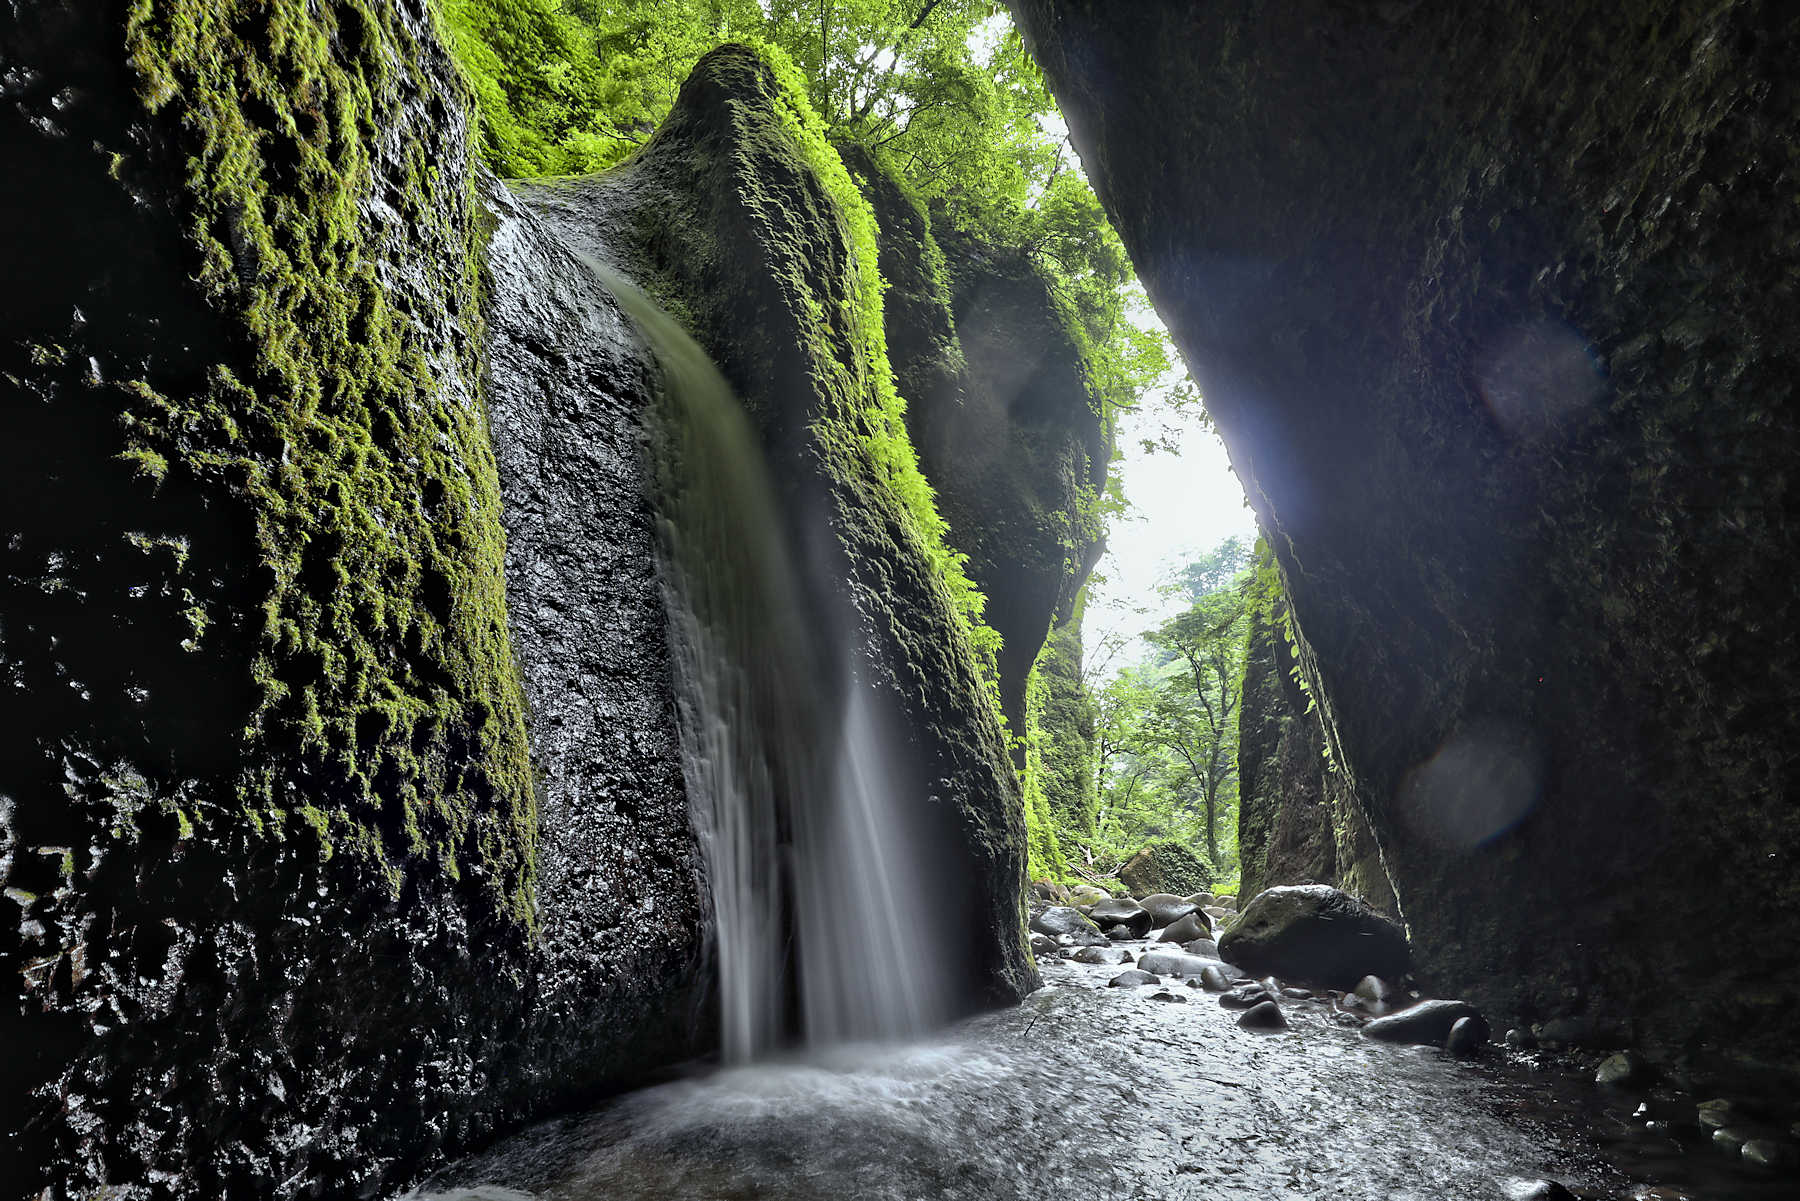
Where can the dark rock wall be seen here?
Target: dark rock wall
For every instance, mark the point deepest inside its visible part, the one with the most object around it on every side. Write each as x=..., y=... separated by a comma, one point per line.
x=1494, y=306
x=735, y=229
x=297, y=906
x=1299, y=821
x=998, y=406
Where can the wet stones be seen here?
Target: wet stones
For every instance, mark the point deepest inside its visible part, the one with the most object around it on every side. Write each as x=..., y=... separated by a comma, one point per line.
x=1468, y=1035
x=1174, y=963
x=1768, y=1154
x=1083, y=938
x=1315, y=934
x=1623, y=1070
x=1133, y=978
x=1214, y=979
x=1043, y=944
x=1166, y=908
x=1263, y=1016
x=1060, y=919
x=1245, y=996
x=1427, y=1024
x=1088, y=894
x=1189, y=926
x=1206, y=948
x=1100, y=955
x=1126, y=913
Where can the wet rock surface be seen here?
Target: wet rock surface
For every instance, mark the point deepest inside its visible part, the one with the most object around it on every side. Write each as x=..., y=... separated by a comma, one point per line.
x=1315, y=934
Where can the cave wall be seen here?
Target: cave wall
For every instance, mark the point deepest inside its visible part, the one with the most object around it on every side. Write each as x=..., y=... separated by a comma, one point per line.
x=1493, y=307
x=339, y=806
x=735, y=218
x=1299, y=820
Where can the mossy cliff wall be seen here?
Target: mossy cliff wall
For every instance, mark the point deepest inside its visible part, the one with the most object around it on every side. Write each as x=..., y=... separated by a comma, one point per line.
x=1493, y=305
x=296, y=909
x=738, y=218
x=1014, y=442
x=999, y=408
x=1299, y=822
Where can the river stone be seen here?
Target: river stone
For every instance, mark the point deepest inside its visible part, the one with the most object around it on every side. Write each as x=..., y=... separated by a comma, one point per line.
x=1168, y=996
x=1127, y=913
x=1427, y=1023
x=1375, y=989
x=1467, y=1036
x=1100, y=955
x=1060, y=919
x=1546, y=1190
x=1083, y=938
x=1043, y=944
x=1265, y=1015
x=1206, y=948
x=1214, y=979
x=1165, y=908
x=1187, y=928
x=1217, y=913
x=1174, y=963
x=1133, y=978
x=1045, y=890
x=1088, y=894
x=1730, y=1138
x=1715, y=1113
x=1562, y=1032
x=1316, y=934
x=1244, y=996
x=1121, y=934
x=1624, y=1070
x=1767, y=1153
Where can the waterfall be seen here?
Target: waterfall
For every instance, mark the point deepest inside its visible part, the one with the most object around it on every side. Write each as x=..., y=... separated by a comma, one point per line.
x=799, y=794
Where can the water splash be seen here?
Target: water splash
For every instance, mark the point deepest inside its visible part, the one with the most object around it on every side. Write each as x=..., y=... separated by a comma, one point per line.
x=799, y=797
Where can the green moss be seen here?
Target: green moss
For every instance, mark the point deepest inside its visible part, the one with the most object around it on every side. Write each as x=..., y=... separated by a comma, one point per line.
x=885, y=435
x=1043, y=850
x=361, y=460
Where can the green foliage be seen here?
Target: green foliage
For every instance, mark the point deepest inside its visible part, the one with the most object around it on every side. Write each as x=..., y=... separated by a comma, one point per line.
x=383, y=662
x=1044, y=858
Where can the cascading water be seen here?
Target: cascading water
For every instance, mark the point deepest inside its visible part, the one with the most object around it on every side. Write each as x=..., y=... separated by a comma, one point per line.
x=797, y=793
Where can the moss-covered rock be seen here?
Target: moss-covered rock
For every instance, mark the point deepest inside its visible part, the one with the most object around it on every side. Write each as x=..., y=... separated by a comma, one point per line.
x=1493, y=308
x=740, y=219
x=1166, y=866
x=289, y=922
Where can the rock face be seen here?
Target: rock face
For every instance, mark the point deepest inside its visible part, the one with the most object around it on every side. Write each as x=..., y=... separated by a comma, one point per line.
x=274, y=615
x=1166, y=867
x=1299, y=821
x=1316, y=934
x=731, y=220
x=1000, y=412
x=1477, y=306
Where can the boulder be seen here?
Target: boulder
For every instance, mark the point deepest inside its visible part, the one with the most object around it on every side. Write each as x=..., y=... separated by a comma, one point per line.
x=1166, y=908
x=1127, y=913
x=1088, y=894
x=1428, y=1023
x=1060, y=919
x=1187, y=929
x=1264, y=1015
x=1174, y=963
x=1132, y=978
x=1166, y=866
x=1204, y=947
x=1316, y=934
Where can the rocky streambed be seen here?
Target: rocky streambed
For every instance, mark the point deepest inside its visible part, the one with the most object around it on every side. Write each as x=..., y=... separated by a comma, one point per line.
x=1125, y=1076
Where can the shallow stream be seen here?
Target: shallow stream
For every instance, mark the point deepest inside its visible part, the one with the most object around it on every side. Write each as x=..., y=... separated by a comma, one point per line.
x=1083, y=1091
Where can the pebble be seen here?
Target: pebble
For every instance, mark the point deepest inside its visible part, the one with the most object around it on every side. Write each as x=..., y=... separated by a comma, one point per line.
x=1266, y=1015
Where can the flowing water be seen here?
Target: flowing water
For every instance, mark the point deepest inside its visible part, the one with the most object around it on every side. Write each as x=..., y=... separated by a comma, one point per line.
x=1083, y=1091
x=798, y=799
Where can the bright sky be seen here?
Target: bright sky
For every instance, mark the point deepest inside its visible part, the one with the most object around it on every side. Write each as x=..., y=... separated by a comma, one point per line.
x=1183, y=502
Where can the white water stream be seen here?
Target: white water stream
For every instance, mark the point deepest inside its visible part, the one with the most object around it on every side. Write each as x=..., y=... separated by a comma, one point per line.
x=798, y=795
